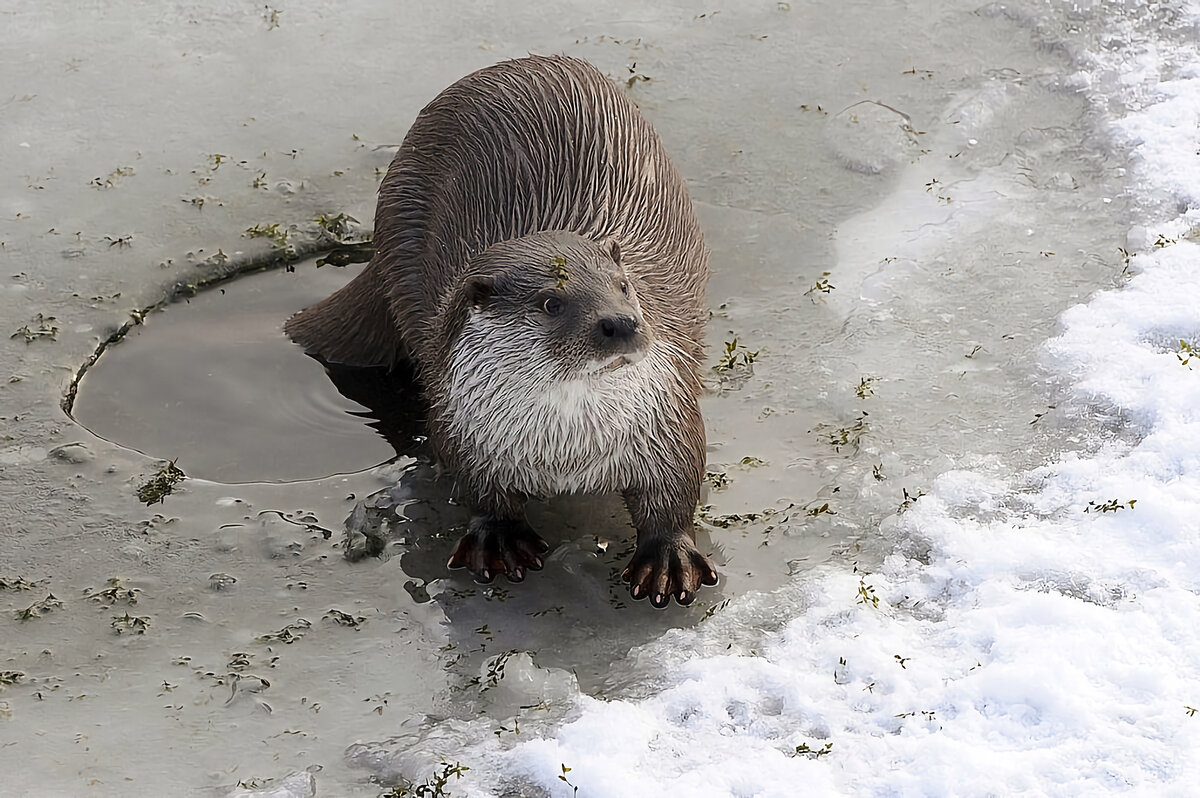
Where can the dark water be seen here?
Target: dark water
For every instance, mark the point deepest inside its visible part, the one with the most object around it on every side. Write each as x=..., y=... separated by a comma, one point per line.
x=215, y=385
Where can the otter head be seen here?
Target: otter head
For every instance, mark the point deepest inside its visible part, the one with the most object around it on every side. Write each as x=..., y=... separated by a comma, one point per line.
x=554, y=295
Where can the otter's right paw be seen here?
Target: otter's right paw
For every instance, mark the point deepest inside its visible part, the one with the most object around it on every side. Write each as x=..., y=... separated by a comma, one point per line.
x=661, y=569
x=495, y=546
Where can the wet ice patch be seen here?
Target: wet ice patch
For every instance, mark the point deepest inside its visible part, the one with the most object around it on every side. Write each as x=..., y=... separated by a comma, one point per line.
x=872, y=137
x=968, y=197
x=22, y=454
x=977, y=112
x=293, y=785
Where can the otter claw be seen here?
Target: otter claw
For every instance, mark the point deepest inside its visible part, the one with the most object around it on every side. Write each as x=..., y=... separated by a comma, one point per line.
x=494, y=546
x=666, y=569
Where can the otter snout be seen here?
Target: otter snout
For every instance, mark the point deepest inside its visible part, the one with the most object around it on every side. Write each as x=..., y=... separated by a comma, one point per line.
x=619, y=334
x=617, y=328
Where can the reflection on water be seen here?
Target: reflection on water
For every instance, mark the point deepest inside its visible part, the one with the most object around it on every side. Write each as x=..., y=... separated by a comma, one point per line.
x=215, y=385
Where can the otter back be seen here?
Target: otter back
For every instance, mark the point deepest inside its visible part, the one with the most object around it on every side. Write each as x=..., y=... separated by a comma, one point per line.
x=539, y=143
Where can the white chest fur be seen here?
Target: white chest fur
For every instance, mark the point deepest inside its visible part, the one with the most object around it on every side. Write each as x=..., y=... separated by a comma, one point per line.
x=534, y=431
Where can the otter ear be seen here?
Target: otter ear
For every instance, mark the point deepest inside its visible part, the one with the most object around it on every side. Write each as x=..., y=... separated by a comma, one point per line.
x=614, y=250
x=479, y=292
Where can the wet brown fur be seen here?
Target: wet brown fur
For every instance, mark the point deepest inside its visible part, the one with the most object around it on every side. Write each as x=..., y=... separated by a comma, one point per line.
x=535, y=144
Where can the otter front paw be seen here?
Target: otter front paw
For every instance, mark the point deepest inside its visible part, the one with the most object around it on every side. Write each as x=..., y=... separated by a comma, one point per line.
x=494, y=546
x=661, y=569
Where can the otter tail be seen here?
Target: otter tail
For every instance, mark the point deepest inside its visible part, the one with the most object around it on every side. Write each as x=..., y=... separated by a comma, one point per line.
x=353, y=326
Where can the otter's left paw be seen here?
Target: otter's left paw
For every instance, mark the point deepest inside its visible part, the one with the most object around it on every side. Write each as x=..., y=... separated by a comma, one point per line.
x=661, y=569
x=494, y=546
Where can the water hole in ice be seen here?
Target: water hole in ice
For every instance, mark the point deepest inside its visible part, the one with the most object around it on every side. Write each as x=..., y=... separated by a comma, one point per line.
x=212, y=383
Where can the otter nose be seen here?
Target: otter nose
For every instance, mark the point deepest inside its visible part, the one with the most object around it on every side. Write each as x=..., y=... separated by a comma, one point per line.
x=617, y=328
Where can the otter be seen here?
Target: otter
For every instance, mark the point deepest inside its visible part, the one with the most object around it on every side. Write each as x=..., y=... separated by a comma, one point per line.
x=539, y=263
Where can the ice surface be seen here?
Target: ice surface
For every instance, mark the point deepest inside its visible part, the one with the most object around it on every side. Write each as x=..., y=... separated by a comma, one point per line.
x=293, y=785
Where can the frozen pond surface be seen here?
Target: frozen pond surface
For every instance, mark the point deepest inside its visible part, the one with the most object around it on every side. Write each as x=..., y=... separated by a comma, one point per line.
x=924, y=489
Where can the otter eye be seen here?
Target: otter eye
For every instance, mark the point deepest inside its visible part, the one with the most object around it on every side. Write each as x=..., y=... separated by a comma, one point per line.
x=625, y=287
x=552, y=306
